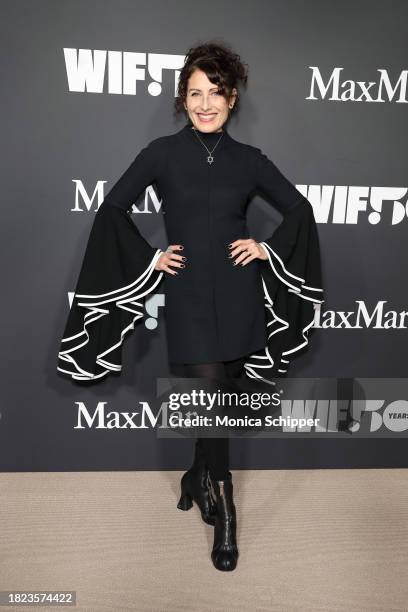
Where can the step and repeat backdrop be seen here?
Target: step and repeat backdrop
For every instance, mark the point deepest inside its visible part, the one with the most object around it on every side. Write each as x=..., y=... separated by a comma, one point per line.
x=86, y=85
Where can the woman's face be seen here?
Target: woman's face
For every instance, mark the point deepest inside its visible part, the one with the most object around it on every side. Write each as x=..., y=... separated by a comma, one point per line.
x=207, y=109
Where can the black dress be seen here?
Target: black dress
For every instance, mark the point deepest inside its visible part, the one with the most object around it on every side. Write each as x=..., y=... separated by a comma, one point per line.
x=214, y=311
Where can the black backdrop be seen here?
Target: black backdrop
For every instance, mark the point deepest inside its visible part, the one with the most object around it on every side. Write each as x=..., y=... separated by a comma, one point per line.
x=320, y=103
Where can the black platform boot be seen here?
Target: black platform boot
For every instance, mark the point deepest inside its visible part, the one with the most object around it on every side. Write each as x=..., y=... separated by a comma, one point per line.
x=195, y=485
x=225, y=553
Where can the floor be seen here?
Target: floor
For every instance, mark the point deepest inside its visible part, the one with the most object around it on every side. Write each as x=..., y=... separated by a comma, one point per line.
x=321, y=540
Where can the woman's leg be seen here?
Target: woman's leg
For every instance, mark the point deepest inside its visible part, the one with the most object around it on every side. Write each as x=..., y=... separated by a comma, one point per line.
x=215, y=450
x=225, y=553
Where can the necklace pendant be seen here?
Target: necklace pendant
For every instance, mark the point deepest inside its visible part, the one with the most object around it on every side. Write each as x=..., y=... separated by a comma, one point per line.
x=210, y=159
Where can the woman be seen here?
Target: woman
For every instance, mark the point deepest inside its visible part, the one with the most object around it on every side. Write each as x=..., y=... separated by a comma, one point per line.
x=233, y=306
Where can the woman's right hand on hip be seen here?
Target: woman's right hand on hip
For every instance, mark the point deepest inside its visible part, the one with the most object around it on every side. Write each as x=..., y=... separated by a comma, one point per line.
x=168, y=259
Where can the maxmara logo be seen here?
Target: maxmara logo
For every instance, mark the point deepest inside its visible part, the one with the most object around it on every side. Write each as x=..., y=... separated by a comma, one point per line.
x=362, y=317
x=100, y=418
x=347, y=205
x=86, y=202
x=335, y=87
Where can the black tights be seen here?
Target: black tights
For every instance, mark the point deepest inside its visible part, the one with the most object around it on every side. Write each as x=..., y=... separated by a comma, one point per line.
x=214, y=450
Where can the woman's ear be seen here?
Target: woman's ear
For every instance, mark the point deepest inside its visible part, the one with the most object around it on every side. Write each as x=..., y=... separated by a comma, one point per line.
x=232, y=98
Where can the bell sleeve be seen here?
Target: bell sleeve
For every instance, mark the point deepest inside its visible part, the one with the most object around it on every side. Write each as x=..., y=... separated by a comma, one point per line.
x=117, y=273
x=291, y=274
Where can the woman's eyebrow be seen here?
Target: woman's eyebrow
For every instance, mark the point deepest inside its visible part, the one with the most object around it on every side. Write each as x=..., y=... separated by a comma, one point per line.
x=196, y=88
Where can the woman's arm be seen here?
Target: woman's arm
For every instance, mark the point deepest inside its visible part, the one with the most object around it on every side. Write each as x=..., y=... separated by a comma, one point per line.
x=290, y=269
x=144, y=170
x=278, y=190
x=270, y=181
x=117, y=273
x=296, y=238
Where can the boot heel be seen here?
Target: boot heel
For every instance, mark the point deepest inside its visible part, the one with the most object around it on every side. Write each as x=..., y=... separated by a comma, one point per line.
x=185, y=502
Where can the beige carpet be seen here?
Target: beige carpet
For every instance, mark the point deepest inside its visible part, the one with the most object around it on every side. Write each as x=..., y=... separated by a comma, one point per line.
x=325, y=540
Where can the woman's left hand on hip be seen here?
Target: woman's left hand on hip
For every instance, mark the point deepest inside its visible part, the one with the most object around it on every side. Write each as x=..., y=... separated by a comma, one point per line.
x=245, y=250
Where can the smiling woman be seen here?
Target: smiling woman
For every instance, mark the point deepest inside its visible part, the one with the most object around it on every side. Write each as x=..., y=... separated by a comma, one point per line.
x=233, y=306
x=205, y=103
x=209, y=103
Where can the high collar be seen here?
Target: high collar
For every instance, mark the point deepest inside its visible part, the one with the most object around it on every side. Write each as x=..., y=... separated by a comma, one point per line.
x=207, y=137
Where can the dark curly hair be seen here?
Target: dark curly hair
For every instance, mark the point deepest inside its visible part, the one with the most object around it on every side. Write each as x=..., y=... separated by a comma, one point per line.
x=222, y=66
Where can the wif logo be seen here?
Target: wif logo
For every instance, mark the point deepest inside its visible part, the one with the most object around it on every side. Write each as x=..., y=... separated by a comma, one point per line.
x=117, y=72
x=350, y=205
x=151, y=305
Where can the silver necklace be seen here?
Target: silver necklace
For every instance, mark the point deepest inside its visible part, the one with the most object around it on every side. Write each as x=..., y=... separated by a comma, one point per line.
x=210, y=157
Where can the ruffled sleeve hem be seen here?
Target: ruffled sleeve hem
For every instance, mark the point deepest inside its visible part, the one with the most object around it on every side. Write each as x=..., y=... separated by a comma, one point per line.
x=118, y=272
x=291, y=281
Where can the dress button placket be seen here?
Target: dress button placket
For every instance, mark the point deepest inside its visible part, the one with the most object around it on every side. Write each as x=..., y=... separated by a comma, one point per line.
x=213, y=261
